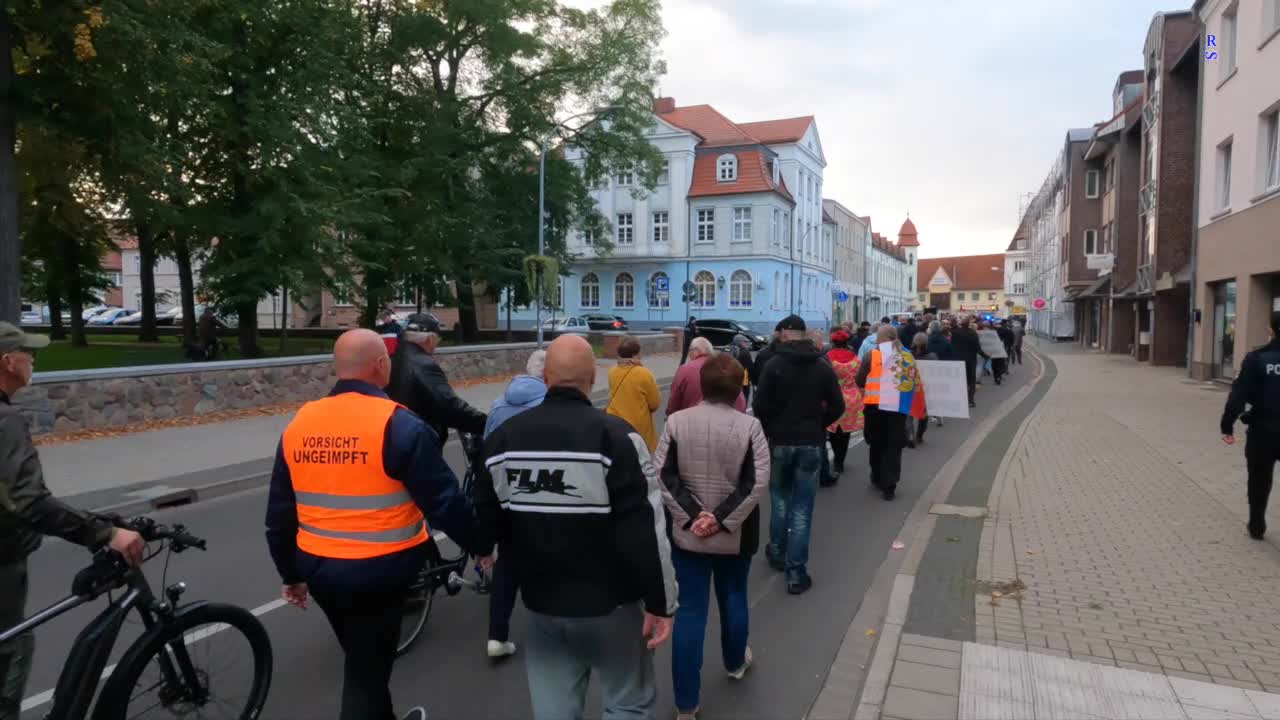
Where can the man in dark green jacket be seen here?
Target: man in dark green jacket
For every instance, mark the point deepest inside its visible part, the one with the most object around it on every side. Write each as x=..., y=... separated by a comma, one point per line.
x=28, y=512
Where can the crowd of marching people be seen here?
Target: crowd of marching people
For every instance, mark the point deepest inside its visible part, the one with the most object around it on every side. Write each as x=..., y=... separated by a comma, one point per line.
x=615, y=534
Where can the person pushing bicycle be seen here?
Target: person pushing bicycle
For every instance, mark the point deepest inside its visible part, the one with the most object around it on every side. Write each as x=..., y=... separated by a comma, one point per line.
x=359, y=485
x=28, y=511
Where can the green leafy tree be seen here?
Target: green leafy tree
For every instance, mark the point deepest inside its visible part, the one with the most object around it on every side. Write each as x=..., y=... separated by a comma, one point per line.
x=500, y=73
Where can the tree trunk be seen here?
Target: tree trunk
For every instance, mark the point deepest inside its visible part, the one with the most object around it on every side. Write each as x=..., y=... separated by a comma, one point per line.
x=53, y=298
x=10, y=242
x=284, y=318
x=510, y=298
x=187, y=287
x=75, y=295
x=248, y=330
x=147, y=281
x=468, y=327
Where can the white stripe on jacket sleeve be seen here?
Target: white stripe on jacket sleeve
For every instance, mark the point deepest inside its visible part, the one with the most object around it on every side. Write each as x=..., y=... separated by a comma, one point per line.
x=653, y=493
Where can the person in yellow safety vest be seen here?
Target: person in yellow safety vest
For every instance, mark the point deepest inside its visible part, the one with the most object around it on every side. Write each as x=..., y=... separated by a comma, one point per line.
x=358, y=486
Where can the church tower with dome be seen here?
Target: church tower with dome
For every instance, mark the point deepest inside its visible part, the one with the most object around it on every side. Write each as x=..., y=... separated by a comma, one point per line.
x=909, y=245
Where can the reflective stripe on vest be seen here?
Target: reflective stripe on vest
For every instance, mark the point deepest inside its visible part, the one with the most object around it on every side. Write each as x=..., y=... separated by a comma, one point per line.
x=871, y=394
x=348, y=507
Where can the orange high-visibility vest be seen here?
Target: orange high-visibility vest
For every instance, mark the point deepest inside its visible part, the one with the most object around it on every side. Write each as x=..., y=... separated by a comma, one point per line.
x=348, y=507
x=871, y=394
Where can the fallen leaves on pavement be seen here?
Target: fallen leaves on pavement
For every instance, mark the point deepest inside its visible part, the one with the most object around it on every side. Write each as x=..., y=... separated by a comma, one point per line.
x=1006, y=590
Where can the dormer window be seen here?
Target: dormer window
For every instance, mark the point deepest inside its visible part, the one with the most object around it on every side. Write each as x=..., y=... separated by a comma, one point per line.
x=727, y=168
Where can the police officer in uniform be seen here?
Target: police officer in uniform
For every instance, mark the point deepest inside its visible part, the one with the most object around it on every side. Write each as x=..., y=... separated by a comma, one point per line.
x=357, y=480
x=1258, y=387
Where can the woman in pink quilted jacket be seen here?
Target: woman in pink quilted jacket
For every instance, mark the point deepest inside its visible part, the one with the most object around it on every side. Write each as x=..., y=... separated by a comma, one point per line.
x=845, y=362
x=714, y=465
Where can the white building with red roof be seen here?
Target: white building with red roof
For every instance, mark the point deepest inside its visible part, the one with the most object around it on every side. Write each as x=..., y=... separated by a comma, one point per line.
x=733, y=229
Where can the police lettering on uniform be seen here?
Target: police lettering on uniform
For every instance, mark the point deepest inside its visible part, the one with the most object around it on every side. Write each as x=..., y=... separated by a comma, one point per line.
x=358, y=480
x=1255, y=400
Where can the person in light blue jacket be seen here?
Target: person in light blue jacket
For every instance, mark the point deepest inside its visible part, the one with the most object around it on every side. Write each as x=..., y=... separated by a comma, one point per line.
x=523, y=392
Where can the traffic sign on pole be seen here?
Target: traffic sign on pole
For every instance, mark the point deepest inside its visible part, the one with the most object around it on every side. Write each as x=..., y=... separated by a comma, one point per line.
x=1039, y=303
x=662, y=284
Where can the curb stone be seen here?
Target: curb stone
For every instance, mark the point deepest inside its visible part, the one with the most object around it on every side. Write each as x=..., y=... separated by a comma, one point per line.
x=167, y=497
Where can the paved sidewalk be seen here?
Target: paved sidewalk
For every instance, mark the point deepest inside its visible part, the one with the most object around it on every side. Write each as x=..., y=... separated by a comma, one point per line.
x=96, y=473
x=1114, y=577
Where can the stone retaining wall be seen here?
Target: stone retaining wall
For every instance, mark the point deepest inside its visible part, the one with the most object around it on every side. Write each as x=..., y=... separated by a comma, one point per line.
x=110, y=397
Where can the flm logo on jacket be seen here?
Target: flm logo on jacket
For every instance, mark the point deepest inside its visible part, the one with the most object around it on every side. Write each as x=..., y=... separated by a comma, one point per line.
x=550, y=482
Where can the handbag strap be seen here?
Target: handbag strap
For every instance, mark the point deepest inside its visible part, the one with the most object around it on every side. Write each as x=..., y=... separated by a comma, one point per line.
x=618, y=387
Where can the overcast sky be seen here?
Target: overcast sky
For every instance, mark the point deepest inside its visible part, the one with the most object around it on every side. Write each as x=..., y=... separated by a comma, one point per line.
x=947, y=109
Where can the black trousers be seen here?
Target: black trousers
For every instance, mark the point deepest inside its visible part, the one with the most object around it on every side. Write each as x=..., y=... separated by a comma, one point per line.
x=368, y=628
x=999, y=367
x=1015, y=355
x=970, y=373
x=839, y=448
x=886, y=435
x=502, y=599
x=1261, y=452
x=16, y=654
x=917, y=427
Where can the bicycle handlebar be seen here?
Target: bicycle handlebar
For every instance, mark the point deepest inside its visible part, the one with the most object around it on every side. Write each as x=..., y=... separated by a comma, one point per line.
x=152, y=531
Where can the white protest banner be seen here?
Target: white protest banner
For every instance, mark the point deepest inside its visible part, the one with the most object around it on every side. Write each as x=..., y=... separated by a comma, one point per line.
x=945, y=391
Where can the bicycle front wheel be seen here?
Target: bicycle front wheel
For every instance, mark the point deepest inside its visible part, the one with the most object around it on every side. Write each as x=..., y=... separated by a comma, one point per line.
x=417, y=607
x=208, y=661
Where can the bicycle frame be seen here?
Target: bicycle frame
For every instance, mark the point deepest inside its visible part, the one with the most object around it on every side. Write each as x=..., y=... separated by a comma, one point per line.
x=80, y=676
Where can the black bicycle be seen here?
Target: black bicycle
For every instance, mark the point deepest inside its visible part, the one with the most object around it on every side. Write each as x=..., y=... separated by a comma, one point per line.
x=169, y=670
x=440, y=572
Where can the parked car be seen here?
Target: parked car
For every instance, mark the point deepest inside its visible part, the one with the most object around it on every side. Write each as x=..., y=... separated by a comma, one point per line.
x=721, y=332
x=108, y=317
x=133, y=318
x=605, y=322
x=90, y=313
x=228, y=319
x=30, y=316
x=569, y=325
x=166, y=317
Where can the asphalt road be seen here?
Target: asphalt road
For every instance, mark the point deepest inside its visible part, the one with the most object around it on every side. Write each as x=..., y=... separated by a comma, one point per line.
x=794, y=638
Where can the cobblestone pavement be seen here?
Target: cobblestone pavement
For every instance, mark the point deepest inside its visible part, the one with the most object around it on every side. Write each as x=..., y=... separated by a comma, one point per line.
x=1123, y=513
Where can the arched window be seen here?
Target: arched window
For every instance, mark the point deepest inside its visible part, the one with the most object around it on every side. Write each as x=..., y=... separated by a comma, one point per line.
x=787, y=301
x=590, y=291
x=624, y=291
x=777, y=289
x=704, y=290
x=740, y=289
x=727, y=168
x=655, y=300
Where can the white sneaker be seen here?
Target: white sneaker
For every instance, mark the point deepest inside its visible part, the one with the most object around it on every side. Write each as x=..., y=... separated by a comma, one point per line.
x=498, y=649
x=417, y=713
x=746, y=665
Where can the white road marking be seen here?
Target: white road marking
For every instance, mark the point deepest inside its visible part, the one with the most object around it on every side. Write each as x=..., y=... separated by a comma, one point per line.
x=39, y=699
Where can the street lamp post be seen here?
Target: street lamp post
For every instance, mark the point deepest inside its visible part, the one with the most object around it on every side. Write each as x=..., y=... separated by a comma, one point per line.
x=542, y=212
x=542, y=244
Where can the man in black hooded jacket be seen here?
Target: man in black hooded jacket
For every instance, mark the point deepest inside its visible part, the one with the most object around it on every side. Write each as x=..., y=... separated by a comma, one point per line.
x=798, y=398
x=419, y=383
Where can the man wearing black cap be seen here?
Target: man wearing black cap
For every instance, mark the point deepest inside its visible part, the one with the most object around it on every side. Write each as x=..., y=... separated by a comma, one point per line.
x=28, y=512
x=798, y=398
x=419, y=383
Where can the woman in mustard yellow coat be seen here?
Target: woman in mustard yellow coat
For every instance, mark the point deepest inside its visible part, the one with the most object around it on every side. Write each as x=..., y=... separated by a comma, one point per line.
x=633, y=392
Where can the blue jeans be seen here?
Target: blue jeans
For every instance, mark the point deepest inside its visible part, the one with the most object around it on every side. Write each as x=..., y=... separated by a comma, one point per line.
x=695, y=572
x=792, y=488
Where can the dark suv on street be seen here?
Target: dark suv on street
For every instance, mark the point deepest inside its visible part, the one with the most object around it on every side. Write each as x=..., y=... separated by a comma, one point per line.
x=721, y=332
x=606, y=322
